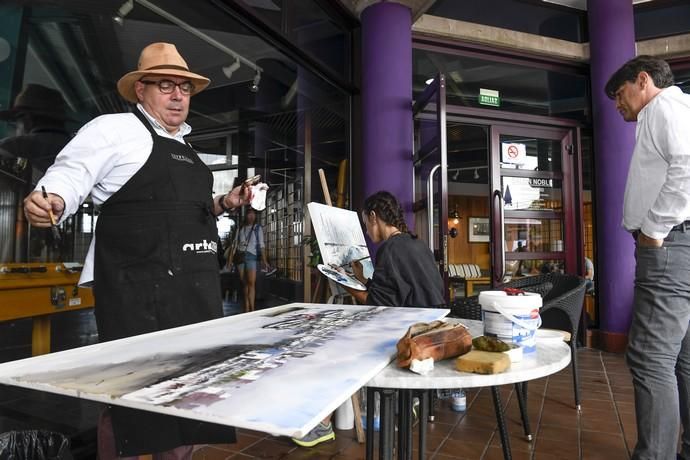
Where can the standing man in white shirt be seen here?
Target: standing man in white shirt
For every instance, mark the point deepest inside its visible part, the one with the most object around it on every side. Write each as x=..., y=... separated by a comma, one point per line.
x=656, y=211
x=153, y=259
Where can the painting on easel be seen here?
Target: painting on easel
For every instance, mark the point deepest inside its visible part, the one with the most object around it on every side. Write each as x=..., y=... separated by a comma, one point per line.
x=340, y=237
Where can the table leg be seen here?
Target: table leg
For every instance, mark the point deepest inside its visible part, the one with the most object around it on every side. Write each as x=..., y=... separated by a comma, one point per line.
x=521, y=392
x=424, y=398
x=404, y=408
x=387, y=425
x=505, y=440
x=432, y=405
x=40, y=335
x=371, y=403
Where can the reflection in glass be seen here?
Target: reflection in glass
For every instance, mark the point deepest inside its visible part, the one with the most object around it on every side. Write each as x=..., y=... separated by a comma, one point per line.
x=523, y=193
x=530, y=154
x=533, y=235
x=78, y=49
x=522, y=88
x=533, y=267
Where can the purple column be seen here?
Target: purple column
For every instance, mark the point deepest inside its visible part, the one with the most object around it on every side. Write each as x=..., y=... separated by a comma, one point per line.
x=387, y=102
x=612, y=43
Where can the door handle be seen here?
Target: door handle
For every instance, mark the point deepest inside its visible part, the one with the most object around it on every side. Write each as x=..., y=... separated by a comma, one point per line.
x=499, y=274
x=430, y=203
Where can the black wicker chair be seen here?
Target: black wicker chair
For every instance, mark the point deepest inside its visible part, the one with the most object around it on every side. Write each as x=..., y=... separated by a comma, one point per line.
x=563, y=297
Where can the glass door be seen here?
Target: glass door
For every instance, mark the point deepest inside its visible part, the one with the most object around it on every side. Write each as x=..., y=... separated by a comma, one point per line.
x=533, y=209
x=430, y=173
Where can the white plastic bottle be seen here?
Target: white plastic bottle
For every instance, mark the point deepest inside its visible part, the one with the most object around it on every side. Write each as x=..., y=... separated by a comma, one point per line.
x=459, y=400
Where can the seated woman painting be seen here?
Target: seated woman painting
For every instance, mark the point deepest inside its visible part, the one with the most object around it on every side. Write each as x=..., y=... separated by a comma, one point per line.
x=405, y=274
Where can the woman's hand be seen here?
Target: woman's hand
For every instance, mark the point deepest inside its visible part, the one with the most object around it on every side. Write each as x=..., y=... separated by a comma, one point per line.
x=358, y=271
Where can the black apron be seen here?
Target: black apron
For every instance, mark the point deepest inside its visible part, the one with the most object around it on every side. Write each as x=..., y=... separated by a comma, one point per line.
x=156, y=268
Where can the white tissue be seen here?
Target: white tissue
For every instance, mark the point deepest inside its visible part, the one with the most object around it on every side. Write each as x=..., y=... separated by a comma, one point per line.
x=515, y=354
x=422, y=367
x=259, y=196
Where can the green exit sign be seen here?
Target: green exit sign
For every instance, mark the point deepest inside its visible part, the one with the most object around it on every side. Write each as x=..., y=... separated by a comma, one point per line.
x=489, y=97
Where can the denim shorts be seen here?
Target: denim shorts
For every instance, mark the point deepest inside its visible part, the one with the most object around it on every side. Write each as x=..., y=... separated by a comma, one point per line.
x=250, y=261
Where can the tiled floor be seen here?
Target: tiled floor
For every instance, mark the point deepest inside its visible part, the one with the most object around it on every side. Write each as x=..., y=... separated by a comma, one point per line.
x=604, y=429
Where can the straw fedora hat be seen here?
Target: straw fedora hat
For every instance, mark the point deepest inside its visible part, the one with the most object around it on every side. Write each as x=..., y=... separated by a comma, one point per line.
x=37, y=99
x=159, y=59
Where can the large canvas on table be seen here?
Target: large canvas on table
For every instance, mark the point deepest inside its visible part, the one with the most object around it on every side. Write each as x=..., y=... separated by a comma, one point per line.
x=279, y=370
x=340, y=236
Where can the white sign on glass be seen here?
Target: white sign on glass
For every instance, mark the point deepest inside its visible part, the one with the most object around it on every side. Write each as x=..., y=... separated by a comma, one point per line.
x=512, y=152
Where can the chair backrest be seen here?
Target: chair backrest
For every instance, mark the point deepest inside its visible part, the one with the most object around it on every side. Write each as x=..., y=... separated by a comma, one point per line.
x=562, y=294
x=467, y=271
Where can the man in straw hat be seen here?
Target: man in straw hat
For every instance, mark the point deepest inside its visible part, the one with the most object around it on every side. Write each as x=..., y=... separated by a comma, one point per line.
x=156, y=204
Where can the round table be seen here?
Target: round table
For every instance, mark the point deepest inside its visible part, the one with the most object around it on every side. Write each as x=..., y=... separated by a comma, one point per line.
x=551, y=356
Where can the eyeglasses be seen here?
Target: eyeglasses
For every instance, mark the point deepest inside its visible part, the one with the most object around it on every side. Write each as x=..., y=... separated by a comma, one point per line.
x=168, y=86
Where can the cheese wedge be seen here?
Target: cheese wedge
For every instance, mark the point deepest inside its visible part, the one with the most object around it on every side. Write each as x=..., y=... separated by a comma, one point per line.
x=483, y=362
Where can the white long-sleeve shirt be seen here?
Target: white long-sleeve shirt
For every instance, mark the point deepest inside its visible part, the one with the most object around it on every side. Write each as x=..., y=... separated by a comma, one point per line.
x=657, y=192
x=100, y=159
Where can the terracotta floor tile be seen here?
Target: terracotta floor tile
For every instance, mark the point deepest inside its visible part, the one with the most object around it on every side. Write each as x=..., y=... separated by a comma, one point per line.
x=605, y=429
x=211, y=453
x=566, y=449
x=495, y=453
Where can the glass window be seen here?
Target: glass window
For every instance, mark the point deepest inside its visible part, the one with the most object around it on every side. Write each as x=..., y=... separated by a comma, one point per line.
x=314, y=30
x=533, y=235
x=531, y=154
x=653, y=21
x=262, y=112
x=681, y=75
x=517, y=88
x=531, y=193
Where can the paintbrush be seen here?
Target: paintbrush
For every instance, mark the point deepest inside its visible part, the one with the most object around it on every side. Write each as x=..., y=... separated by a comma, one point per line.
x=53, y=221
x=356, y=260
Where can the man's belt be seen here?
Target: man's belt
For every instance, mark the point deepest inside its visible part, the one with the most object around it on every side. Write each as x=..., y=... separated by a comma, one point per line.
x=682, y=227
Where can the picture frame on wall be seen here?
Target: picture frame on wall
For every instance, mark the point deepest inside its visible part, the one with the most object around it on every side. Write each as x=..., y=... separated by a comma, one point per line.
x=478, y=229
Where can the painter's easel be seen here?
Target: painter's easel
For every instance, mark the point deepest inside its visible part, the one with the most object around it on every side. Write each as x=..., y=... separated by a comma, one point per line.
x=337, y=297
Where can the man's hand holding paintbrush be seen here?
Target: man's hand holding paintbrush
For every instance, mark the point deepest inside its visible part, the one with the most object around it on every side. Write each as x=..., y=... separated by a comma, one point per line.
x=43, y=209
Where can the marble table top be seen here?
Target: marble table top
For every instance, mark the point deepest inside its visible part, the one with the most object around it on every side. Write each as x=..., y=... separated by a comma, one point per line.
x=279, y=370
x=550, y=357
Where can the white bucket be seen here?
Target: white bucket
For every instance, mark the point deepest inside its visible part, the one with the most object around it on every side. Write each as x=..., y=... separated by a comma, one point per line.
x=513, y=319
x=345, y=416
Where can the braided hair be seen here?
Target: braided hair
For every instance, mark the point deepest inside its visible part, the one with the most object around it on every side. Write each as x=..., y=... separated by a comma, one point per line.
x=388, y=209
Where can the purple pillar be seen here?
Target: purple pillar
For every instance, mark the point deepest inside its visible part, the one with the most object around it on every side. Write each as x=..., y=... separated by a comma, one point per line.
x=612, y=43
x=387, y=102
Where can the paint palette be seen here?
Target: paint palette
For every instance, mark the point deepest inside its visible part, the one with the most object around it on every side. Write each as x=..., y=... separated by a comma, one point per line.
x=341, y=278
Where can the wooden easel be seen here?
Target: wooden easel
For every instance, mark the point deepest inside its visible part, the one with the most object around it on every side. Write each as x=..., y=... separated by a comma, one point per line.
x=336, y=297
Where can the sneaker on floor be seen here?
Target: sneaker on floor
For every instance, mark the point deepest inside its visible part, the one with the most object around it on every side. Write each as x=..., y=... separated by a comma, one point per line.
x=320, y=433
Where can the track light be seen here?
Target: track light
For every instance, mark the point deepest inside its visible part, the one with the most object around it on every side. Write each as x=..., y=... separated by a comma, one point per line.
x=124, y=10
x=254, y=87
x=476, y=174
x=228, y=70
x=290, y=95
